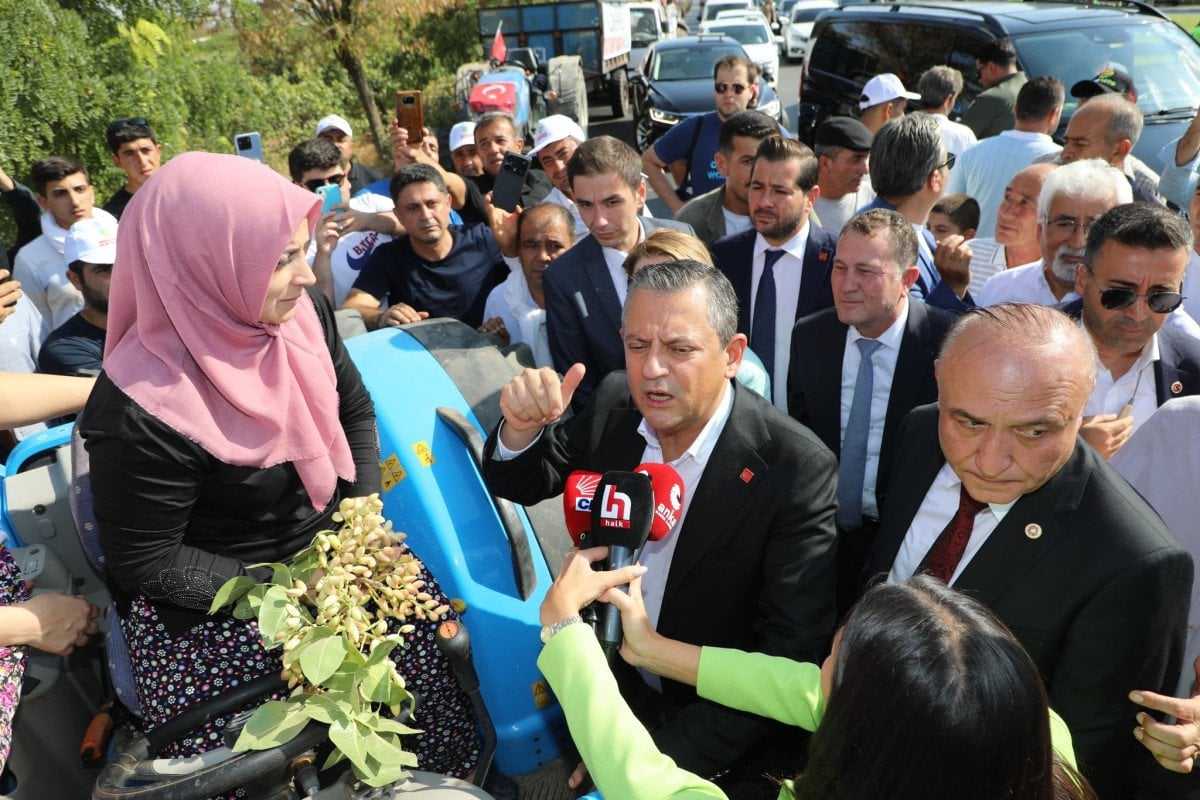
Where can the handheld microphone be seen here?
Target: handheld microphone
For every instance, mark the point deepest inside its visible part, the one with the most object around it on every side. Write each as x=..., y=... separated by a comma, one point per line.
x=668, y=497
x=622, y=515
x=578, y=492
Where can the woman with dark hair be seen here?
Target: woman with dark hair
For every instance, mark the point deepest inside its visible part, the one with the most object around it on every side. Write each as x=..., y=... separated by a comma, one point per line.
x=925, y=695
x=228, y=425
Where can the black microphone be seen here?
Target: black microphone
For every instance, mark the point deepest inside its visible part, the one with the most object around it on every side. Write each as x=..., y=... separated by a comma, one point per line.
x=622, y=514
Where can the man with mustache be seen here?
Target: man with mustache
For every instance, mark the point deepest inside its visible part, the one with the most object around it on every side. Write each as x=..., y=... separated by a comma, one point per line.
x=780, y=268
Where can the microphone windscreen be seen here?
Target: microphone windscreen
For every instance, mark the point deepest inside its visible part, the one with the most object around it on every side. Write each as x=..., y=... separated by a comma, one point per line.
x=577, y=503
x=622, y=510
x=668, y=490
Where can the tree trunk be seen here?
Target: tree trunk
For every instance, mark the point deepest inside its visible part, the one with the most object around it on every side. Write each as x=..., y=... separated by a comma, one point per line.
x=358, y=76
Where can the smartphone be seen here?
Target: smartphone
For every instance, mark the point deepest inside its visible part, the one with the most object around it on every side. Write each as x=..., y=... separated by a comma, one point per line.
x=511, y=181
x=332, y=195
x=249, y=145
x=410, y=116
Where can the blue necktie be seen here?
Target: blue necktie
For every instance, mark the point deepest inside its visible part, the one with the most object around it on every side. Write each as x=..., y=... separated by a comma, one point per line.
x=762, y=329
x=853, y=463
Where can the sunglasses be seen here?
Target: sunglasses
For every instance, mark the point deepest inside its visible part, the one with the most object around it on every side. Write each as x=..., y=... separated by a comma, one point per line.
x=333, y=180
x=128, y=122
x=1116, y=298
x=722, y=87
x=948, y=163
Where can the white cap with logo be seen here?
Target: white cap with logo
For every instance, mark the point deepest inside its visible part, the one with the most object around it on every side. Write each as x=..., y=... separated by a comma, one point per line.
x=883, y=88
x=92, y=241
x=554, y=128
x=462, y=134
x=333, y=121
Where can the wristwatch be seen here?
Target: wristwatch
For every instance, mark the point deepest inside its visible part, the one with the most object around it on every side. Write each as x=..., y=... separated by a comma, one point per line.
x=549, y=630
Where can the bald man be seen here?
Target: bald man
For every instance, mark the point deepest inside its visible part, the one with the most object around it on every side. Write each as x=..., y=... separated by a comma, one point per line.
x=994, y=492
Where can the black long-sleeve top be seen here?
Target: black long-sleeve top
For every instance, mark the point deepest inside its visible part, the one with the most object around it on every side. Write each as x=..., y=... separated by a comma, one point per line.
x=176, y=523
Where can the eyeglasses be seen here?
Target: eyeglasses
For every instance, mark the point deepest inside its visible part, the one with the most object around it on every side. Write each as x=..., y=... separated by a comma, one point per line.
x=722, y=87
x=948, y=163
x=332, y=180
x=1115, y=298
x=128, y=122
x=1066, y=226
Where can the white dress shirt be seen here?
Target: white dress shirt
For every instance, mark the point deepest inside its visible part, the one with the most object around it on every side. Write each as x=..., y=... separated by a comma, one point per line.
x=956, y=137
x=614, y=259
x=787, y=273
x=1025, y=284
x=884, y=361
x=937, y=509
x=1137, y=386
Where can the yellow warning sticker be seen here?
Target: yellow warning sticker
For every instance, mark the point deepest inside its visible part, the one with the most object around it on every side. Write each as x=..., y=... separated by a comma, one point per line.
x=391, y=472
x=424, y=454
x=541, y=694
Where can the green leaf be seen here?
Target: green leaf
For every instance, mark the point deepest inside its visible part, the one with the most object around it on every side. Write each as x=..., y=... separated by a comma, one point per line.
x=281, y=575
x=391, y=758
x=324, y=708
x=380, y=653
x=347, y=737
x=376, y=683
x=309, y=635
x=232, y=590
x=272, y=614
x=387, y=725
x=322, y=658
x=271, y=724
x=335, y=757
x=354, y=658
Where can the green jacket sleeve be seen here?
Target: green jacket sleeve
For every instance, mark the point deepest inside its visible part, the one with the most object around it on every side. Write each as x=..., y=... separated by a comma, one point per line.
x=618, y=751
x=770, y=686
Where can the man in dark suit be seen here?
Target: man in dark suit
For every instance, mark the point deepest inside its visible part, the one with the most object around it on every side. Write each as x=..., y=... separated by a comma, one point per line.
x=1130, y=281
x=993, y=491
x=854, y=397
x=756, y=527
x=585, y=288
x=780, y=268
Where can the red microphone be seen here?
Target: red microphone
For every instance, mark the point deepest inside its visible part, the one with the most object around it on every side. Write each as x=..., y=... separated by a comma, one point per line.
x=668, y=497
x=578, y=492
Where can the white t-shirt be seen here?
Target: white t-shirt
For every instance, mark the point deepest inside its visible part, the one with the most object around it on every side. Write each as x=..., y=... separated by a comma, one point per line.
x=350, y=254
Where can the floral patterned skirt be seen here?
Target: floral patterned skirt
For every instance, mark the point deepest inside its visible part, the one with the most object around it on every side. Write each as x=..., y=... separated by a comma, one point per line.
x=12, y=659
x=174, y=672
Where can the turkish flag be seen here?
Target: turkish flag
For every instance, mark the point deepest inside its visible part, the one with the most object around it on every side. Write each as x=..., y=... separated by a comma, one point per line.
x=499, y=49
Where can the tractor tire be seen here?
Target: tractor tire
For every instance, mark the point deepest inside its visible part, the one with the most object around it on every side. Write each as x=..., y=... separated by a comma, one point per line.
x=618, y=93
x=570, y=89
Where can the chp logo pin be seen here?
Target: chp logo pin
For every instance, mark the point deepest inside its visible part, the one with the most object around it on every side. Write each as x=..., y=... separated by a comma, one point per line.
x=1176, y=387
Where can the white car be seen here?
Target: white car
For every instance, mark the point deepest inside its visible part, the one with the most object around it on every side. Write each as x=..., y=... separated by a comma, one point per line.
x=755, y=37
x=713, y=7
x=799, y=28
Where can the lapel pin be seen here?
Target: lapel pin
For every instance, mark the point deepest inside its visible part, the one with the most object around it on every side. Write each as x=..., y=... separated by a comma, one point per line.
x=1176, y=387
x=746, y=475
x=1033, y=531
x=824, y=255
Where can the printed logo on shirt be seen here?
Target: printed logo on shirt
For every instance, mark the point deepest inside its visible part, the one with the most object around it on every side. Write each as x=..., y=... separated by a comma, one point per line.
x=356, y=259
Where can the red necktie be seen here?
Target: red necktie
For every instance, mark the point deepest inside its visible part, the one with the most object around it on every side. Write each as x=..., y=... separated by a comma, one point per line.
x=942, y=559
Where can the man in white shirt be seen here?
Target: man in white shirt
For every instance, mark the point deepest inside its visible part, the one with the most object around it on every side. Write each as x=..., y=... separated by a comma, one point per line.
x=1108, y=126
x=1016, y=241
x=843, y=149
x=1129, y=284
x=939, y=88
x=883, y=99
x=985, y=170
x=554, y=143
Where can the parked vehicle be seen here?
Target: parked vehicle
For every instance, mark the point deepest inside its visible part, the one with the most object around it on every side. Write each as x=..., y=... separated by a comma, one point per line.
x=755, y=36
x=648, y=23
x=525, y=87
x=713, y=7
x=1072, y=41
x=799, y=28
x=597, y=32
x=676, y=82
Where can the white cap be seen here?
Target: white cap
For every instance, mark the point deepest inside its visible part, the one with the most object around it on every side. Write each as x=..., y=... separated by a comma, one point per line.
x=92, y=241
x=883, y=88
x=554, y=128
x=461, y=134
x=334, y=121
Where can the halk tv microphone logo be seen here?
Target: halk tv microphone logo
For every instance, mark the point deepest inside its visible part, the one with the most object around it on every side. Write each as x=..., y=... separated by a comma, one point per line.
x=614, y=508
x=585, y=487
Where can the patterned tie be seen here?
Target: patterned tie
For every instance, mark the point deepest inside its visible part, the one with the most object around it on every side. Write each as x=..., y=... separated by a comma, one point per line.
x=762, y=329
x=942, y=559
x=853, y=465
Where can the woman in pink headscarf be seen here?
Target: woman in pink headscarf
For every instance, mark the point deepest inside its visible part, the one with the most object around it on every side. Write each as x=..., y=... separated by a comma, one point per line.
x=228, y=424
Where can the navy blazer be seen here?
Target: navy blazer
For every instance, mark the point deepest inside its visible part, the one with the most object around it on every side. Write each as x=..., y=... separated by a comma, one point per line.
x=734, y=255
x=583, y=312
x=815, y=377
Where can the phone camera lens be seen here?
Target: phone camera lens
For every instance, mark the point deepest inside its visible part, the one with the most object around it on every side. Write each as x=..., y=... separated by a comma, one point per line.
x=243, y=143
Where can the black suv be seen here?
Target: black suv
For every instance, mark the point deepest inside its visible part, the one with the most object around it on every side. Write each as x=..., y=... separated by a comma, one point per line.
x=1072, y=41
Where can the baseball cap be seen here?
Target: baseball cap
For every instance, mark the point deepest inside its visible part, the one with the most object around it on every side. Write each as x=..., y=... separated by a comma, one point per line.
x=883, y=88
x=554, y=128
x=334, y=121
x=92, y=241
x=1108, y=81
x=844, y=132
x=460, y=134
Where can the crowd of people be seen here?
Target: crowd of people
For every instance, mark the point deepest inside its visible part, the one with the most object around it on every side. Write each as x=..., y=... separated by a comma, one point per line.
x=909, y=378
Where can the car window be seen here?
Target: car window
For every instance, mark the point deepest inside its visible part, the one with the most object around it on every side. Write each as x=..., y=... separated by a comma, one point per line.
x=746, y=34
x=712, y=9
x=856, y=51
x=687, y=63
x=808, y=13
x=644, y=26
x=1161, y=58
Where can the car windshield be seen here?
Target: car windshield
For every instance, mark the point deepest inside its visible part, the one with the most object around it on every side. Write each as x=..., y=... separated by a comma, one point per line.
x=712, y=9
x=689, y=63
x=808, y=13
x=1164, y=63
x=645, y=26
x=746, y=34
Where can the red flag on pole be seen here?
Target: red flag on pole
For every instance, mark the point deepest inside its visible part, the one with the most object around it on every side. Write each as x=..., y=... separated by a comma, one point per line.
x=499, y=49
